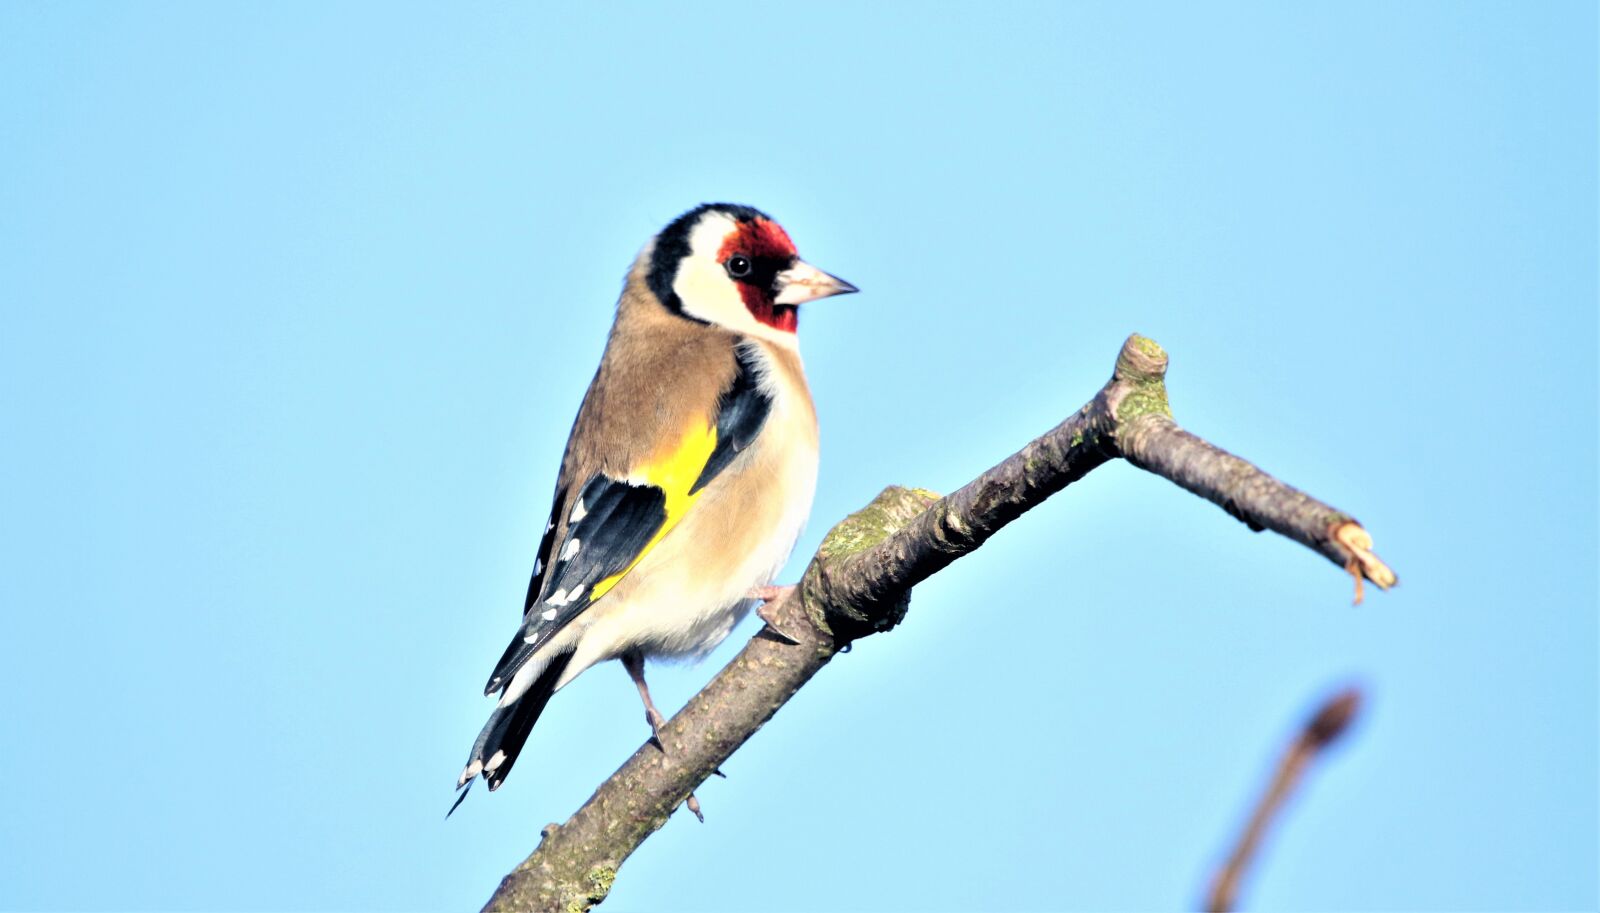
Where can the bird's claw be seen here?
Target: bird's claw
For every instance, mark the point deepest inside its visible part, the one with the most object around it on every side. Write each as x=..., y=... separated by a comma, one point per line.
x=768, y=596
x=656, y=721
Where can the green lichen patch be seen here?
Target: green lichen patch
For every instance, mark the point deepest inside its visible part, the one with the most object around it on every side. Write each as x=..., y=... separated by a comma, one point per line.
x=600, y=878
x=891, y=510
x=1148, y=346
x=593, y=890
x=1144, y=398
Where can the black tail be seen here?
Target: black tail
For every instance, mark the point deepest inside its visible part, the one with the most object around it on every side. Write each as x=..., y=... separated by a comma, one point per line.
x=503, y=736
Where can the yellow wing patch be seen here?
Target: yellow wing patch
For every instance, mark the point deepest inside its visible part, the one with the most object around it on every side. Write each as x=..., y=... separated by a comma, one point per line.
x=675, y=475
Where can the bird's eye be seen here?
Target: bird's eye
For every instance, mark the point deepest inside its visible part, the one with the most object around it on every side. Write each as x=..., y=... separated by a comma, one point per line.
x=738, y=266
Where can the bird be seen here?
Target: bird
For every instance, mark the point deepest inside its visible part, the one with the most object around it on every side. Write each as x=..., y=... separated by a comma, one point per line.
x=686, y=480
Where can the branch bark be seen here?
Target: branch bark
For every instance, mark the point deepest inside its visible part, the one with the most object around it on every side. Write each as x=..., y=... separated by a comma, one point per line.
x=860, y=581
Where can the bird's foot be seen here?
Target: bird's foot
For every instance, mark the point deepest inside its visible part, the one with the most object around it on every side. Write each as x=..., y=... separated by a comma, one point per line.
x=634, y=663
x=656, y=721
x=768, y=596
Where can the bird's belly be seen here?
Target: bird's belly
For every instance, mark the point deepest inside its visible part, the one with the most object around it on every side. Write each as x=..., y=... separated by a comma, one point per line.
x=687, y=594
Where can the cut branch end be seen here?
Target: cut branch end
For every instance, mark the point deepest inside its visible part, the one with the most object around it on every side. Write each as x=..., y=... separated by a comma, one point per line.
x=1141, y=359
x=1363, y=563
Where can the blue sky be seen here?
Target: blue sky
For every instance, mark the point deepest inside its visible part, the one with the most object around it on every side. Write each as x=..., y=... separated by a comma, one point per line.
x=299, y=301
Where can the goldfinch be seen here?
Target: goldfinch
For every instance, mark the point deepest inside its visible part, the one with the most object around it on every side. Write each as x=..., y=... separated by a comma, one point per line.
x=687, y=477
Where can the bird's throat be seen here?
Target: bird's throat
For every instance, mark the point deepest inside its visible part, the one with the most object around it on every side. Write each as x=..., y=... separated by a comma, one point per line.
x=785, y=317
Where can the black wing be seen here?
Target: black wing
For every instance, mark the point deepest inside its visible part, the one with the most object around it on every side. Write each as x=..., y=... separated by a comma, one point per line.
x=613, y=521
x=541, y=559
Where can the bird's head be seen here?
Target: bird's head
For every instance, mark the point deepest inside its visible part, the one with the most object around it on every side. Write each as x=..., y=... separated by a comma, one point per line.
x=733, y=266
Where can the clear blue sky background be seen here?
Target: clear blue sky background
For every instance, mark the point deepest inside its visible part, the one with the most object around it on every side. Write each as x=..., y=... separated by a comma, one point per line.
x=299, y=302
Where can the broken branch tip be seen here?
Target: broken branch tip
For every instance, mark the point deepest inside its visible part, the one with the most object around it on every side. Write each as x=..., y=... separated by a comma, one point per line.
x=1363, y=562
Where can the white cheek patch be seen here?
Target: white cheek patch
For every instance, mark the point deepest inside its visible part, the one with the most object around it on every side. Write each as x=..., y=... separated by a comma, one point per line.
x=704, y=289
x=705, y=292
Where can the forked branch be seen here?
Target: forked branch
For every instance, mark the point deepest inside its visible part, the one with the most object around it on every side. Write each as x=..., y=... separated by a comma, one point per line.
x=860, y=581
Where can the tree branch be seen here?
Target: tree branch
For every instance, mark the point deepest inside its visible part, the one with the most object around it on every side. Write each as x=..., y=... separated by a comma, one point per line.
x=1330, y=721
x=860, y=581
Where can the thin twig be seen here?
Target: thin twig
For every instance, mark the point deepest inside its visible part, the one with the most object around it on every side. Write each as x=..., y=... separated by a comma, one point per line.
x=1321, y=730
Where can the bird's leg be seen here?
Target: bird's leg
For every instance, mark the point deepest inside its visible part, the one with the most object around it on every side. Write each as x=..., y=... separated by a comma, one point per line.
x=769, y=595
x=634, y=663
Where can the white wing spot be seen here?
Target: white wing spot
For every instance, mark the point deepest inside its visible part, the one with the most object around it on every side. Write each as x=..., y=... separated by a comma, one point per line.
x=573, y=545
x=558, y=598
x=579, y=511
x=472, y=770
x=538, y=565
x=495, y=761
x=550, y=524
x=547, y=615
x=576, y=594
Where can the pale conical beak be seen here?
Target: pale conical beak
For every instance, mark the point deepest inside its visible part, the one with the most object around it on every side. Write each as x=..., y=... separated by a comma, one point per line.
x=803, y=282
